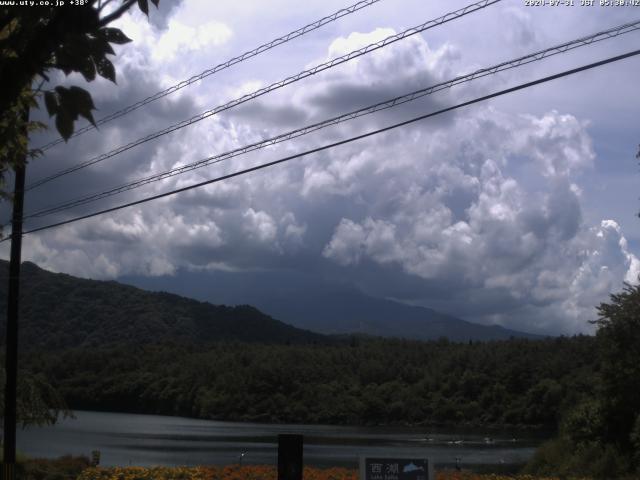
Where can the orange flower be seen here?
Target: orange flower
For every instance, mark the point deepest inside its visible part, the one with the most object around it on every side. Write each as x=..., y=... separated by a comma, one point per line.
x=260, y=472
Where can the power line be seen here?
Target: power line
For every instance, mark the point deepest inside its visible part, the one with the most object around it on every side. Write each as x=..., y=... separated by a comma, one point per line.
x=240, y=58
x=532, y=57
x=274, y=86
x=343, y=142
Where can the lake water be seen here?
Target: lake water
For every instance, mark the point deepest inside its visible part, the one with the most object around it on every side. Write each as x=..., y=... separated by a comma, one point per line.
x=127, y=439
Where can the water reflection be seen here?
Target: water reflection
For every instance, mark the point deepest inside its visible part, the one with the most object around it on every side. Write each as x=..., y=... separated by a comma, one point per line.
x=128, y=439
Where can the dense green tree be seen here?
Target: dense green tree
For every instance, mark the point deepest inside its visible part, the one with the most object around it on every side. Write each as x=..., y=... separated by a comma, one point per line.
x=635, y=440
x=600, y=435
x=585, y=424
x=36, y=41
x=618, y=338
x=38, y=402
x=329, y=383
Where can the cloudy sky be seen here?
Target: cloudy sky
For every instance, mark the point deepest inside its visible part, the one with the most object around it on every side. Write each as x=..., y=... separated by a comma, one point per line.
x=519, y=211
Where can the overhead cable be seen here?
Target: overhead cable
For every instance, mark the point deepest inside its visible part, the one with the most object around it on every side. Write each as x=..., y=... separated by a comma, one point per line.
x=240, y=58
x=474, y=7
x=532, y=57
x=342, y=142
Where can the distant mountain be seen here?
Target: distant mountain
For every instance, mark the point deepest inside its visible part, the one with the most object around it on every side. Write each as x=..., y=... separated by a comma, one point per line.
x=62, y=311
x=309, y=303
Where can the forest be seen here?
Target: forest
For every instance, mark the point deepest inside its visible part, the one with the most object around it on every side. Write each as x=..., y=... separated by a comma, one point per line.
x=59, y=311
x=357, y=381
x=235, y=363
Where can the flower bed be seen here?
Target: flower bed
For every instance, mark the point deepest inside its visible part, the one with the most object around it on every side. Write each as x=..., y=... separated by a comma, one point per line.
x=260, y=472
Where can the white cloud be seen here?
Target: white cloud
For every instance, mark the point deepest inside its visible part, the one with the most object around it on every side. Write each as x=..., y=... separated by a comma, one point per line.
x=486, y=204
x=260, y=226
x=559, y=143
x=347, y=244
x=180, y=38
x=519, y=26
x=293, y=230
x=470, y=224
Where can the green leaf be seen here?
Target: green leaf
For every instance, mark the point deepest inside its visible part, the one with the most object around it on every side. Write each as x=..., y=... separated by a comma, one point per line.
x=89, y=116
x=100, y=47
x=155, y=2
x=80, y=102
x=65, y=68
x=67, y=103
x=51, y=102
x=36, y=126
x=105, y=69
x=64, y=124
x=75, y=56
x=32, y=102
x=88, y=69
x=82, y=98
x=144, y=6
x=114, y=35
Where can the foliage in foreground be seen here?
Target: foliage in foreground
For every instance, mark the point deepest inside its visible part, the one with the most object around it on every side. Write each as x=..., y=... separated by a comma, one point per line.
x=63, y=468
x=230, y=472
x=562, y=457
x=37, y=402
x=600, y=436
x=38, y=41
x=261, y=472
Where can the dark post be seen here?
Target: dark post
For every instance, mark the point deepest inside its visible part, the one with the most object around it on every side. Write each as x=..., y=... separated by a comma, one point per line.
x=11, y=361
x=289, y=457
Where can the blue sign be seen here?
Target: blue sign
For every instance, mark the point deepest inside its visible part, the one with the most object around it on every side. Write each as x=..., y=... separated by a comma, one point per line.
x=390, y=468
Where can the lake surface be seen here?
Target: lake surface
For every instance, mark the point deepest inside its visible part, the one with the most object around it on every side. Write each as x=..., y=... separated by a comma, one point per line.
x=128, y=439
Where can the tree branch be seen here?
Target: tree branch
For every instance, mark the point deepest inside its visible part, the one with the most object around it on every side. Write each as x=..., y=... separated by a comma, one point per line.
x=104, y=4
x=117, y=13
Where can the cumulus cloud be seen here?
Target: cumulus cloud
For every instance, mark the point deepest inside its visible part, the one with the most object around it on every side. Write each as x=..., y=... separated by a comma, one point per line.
x=494, y=237
x=480, y=213
x=352, y=241
x=180, y=37
x=520, y=27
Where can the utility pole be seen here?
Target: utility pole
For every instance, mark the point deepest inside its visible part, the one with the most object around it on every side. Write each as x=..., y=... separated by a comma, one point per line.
x=11, y=360
x=290, y=456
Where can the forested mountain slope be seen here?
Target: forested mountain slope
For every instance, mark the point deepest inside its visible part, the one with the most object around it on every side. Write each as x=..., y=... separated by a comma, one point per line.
x=62, y=311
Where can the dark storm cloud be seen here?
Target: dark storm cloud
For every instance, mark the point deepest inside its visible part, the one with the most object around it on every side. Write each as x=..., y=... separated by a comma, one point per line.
x=113, y=171
x=266, y=114
x=435, y=214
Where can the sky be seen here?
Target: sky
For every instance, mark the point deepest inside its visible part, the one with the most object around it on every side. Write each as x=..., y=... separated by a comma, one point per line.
x=519, y=211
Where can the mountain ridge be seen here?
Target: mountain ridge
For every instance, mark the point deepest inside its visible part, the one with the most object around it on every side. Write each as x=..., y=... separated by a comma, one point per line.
x=77, y=312
x=307, y=302
x=59, y=311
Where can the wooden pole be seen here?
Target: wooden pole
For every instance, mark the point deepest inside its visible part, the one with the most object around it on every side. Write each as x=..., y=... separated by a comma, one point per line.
x=11, y=360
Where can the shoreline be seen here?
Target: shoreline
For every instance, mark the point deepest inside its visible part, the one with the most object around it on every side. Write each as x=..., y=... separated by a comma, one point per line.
x=466, y=426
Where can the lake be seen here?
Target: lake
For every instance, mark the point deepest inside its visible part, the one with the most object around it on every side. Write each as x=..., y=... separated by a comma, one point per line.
x=145, y=440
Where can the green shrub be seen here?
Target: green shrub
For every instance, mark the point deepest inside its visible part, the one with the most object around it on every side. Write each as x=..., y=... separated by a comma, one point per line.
x=635, y=443
x=585, y=423
x=562, y=457
x=62, y=468
x=550, y=458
